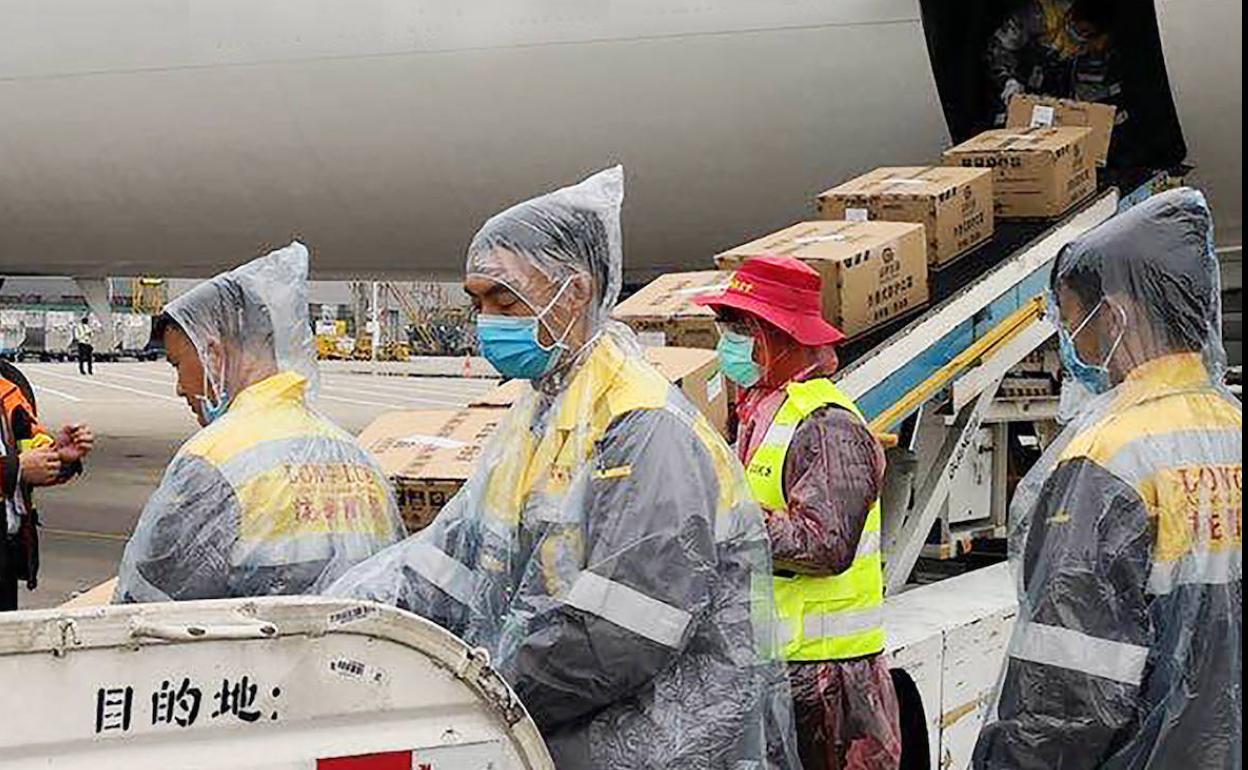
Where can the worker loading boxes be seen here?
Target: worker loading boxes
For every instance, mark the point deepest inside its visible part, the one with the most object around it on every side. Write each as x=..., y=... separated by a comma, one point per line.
x=953, y=204
x=829, y=433
x=872, y=272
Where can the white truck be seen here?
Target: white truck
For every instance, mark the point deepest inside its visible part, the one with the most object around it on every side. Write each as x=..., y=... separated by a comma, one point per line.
x=280, y=683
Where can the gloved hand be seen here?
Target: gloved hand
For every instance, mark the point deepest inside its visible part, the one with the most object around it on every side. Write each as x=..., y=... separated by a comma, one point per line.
x=1012, y=87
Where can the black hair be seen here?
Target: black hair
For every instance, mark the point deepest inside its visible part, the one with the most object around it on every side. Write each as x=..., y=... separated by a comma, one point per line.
x=162, y=324
x=1080, y=278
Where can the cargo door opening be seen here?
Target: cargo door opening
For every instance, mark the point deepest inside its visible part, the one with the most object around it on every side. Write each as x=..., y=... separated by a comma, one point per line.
x=1093, y=50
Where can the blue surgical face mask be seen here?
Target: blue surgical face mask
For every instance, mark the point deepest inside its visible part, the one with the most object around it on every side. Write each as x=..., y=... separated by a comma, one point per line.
x=212, y=409
x=736, y=358
x=512, y=346
x=1094, y=377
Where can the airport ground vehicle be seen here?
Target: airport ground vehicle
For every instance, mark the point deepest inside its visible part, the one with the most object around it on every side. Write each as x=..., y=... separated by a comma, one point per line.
x=270, y=684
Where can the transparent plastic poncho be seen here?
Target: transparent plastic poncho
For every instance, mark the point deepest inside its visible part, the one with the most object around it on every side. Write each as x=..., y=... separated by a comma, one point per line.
x=606, y=552
x=1126, y=535
x=271, y=497
x=261, y=308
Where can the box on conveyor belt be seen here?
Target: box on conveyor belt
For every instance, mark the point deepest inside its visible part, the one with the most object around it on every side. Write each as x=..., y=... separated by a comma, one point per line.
x=1031, y=110
x=1037, y=173
x=428, y=455
x=872, y=271
x=662, y=313
x=694, y=370
x=954, y=204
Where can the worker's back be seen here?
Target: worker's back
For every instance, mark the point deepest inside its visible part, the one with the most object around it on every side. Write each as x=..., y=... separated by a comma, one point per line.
x=271, y=498
x=1180, y=449
x=1136, y=546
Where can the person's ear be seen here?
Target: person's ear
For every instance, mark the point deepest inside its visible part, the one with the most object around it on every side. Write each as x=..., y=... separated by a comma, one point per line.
x=213, y=358
x=1118, y=317
x=581, y=289
x=775, y=338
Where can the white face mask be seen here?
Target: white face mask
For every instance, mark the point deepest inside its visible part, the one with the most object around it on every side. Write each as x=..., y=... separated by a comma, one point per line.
x=558, y=338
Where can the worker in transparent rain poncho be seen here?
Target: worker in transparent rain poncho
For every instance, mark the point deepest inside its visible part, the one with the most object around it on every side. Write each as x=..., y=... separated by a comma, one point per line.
x=607, y=552
x=1127, y=533
x=269, y=497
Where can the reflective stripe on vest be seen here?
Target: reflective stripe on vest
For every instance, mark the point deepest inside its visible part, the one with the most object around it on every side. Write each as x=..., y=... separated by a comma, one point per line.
x=834, y=617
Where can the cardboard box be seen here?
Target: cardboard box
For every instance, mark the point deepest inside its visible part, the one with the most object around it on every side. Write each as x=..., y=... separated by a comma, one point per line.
x=1032, y=111
x=100, y=595
x=954, y=204
x=428, y=455
x=663, y=313
x=694, y=370
x=872, y=272
x=1037, y=172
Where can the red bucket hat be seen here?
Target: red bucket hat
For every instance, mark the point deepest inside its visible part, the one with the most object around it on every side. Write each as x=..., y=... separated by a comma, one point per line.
x=782, y=291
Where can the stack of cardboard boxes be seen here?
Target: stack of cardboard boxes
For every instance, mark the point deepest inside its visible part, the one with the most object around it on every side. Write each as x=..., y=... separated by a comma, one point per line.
x=1036, y=172
x=1044, y=161
x=879, y=238
x=1031, y=111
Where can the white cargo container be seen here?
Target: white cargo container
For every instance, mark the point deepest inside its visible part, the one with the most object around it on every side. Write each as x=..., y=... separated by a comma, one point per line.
x=59, y=332
x=12, y=335
x=950, y=638
x=131, y=332
x=279, y=683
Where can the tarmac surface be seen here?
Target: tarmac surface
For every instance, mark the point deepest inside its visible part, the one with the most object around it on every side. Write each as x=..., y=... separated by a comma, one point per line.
x=139, y=423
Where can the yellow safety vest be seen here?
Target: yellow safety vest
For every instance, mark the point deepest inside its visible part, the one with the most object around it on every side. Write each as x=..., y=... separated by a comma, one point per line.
x=1178, y=442
x=832, y=617
x=300, y=481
